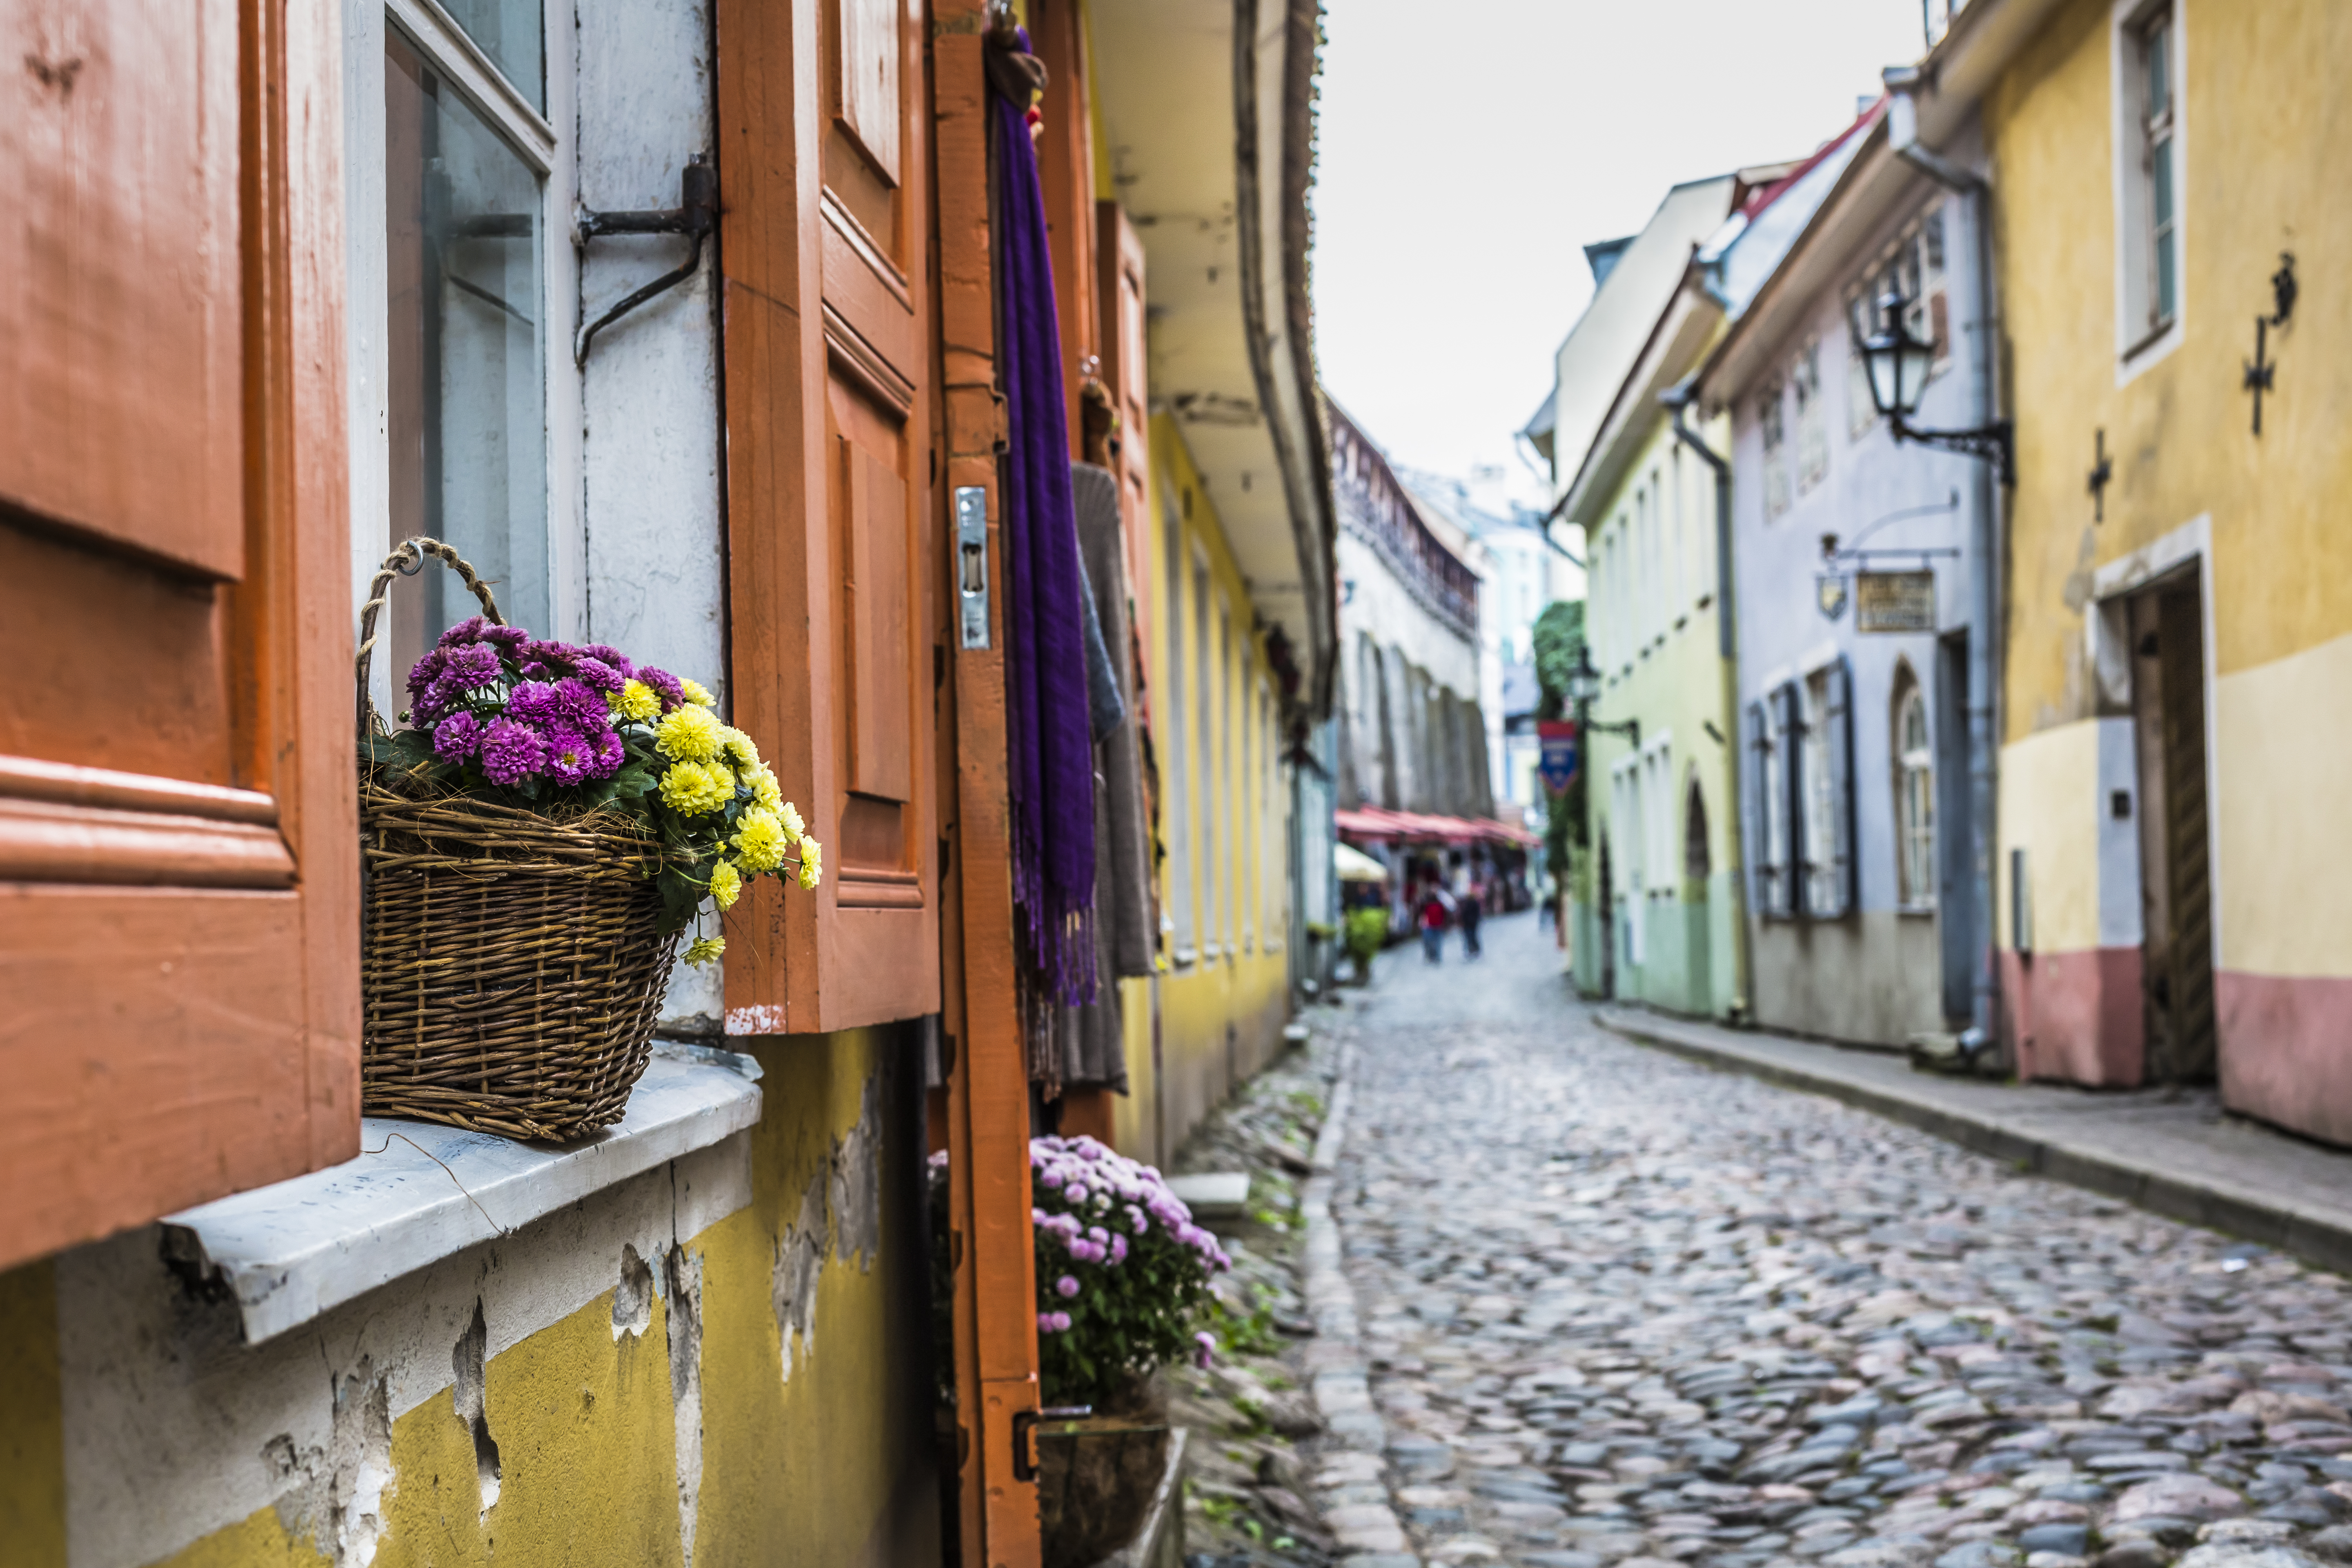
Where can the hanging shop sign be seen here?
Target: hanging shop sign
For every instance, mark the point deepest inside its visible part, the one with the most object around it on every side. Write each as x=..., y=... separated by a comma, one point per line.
x=1558, y=761
x=1895, y=600
x=1830, y=593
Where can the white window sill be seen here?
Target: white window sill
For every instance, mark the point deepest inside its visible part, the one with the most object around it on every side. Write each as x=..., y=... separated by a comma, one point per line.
x=293, y=1250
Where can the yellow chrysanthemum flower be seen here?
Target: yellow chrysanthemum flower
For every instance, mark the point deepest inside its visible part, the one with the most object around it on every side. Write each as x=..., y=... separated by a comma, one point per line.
x=812, y=863
x=760, y=840
x=739, y=749
x=794, y=826
x=689, y=734
x=768, y=797
x=726, y=884
x=697, y=693
x=693, y=789
x=636, y=701
x=705, y=949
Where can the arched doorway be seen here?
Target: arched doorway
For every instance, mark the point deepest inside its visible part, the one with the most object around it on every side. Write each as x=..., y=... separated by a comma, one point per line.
x=1698, y=865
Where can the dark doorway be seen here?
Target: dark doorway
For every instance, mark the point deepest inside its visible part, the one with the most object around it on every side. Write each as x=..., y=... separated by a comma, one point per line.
x=2167, y=635
x=1608, y=907
x=1956, y=883
x=1698, y=864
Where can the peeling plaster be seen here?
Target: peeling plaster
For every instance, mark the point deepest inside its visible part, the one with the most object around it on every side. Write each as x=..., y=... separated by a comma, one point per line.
x=682, y=1272
x=632, y=1297
x=857, y=1183
x=468, y=1398
x=334, y=1494
x=800, y=1258
x=848, y=1181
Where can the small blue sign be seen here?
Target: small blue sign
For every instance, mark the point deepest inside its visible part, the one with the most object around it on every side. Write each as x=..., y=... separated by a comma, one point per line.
x=1558, y=763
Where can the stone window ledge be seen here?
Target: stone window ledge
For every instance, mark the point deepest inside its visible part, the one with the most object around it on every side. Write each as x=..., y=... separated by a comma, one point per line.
x=289, y=1252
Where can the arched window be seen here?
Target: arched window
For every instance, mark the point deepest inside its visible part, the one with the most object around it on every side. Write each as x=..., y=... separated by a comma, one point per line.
x=1915, y=795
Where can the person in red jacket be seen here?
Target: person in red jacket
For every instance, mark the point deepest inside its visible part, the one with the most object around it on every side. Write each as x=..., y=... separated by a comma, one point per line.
x=1432, y=925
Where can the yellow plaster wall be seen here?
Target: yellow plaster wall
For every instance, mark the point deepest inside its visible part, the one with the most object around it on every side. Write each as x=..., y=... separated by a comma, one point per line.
x=832, y=1466
x=1219, y=1018
x=2258, y=103
x=2284, y=900
x=2049, y=801
x=32, y=1421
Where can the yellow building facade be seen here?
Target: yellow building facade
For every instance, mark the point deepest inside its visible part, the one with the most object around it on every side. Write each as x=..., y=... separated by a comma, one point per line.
x=2175, y=878
x=1224, y=990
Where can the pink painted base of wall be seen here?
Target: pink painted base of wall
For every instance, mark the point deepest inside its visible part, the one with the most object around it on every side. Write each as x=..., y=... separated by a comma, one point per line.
x=2075, y=1016
x=2286, y=1050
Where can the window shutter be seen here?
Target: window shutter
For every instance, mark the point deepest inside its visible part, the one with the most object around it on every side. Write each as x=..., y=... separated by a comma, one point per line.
x=836, y=505
x=1792, y=804
x=179, y=844
x=1765, y=872
x=1837, y=750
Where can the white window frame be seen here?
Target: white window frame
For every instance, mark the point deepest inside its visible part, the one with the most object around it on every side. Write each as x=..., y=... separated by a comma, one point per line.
x=553, y=155
x=1178, y=918
x=1820, y=794
x=2138, y=345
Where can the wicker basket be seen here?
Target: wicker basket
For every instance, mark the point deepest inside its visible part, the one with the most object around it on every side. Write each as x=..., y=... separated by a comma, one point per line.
x=512, y=966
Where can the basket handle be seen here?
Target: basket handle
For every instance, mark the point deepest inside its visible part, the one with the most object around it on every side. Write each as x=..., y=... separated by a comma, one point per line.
x=407, y=562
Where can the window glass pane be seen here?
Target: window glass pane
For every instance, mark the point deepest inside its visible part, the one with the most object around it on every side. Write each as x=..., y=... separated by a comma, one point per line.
x=511, y=33
x=2160, y=204
x=2159, y=75
x=466, y=390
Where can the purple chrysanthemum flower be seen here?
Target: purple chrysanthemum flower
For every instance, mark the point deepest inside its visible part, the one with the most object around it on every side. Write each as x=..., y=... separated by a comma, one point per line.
x=1119, y=1249
x=505, y=637
x=1050, y=1175
x=598, y=674
x=465, y=631
x=513, y=752
x=536, y=702
x=1044, y=1323
x=1076, y=1192
x=1205, y=1352
x=459, y=736
x=570, y=755
x=672, y=694
x=606, y=654
x=1066, y=1286
x=607, y=754
x=473, y=665
x=1061, y=1322
x=582, y=705
x=426, y=670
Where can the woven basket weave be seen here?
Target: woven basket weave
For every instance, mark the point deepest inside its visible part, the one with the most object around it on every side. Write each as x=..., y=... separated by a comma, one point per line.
x=512, y=966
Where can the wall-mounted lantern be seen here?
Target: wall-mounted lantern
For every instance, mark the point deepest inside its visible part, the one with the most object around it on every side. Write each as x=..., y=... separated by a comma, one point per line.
x=1898, y=363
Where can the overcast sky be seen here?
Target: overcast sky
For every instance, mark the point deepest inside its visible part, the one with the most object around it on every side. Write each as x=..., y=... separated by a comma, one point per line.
x=1470, y=150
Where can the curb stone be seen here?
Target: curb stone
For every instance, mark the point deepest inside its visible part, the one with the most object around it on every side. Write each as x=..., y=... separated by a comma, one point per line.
x=1368, y=1532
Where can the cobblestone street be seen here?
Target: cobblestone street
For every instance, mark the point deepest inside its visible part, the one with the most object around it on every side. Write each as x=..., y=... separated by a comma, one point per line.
x=1617, y=1308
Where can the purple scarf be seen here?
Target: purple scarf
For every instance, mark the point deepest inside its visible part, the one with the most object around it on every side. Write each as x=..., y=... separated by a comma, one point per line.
x=1047, y=734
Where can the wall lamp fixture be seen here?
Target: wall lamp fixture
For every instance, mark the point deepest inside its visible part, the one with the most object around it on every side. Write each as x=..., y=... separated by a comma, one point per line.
x=1898, y=364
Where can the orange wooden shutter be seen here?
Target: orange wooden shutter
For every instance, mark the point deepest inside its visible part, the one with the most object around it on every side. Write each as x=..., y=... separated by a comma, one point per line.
x=833, y=499
x=178, y=829
x=1126, y=371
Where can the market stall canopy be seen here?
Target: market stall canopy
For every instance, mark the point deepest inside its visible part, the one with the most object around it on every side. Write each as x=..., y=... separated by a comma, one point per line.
x=1355, y=866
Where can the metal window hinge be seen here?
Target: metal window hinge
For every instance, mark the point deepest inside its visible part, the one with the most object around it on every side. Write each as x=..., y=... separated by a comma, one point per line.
x=696, y=215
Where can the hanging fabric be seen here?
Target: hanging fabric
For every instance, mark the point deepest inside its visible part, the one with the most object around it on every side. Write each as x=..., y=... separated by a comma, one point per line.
x=1047, y=722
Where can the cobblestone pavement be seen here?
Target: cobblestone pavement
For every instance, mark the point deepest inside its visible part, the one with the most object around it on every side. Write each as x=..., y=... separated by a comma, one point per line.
x=1619, y=1310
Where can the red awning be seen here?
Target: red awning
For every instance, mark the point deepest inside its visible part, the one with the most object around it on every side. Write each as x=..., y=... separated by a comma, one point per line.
x=1414, y=826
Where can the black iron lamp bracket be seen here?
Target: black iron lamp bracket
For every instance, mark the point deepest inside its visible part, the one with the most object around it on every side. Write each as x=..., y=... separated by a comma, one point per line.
x=1629, y=728
x=1994, y=443
x=696, y=216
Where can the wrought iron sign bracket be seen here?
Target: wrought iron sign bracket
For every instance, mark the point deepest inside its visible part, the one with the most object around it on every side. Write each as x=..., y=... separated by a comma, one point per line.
x=1993, y=443
x=696, y=215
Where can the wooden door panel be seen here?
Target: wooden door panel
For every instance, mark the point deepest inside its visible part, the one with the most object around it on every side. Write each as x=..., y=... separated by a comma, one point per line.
x=121, y=317
x=179, y=888
x=878, y=590
x=833, y=507
x=866, y=80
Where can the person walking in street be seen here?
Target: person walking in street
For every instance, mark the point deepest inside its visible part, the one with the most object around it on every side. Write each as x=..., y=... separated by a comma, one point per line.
x=1432, y=925
x=1468, y=912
